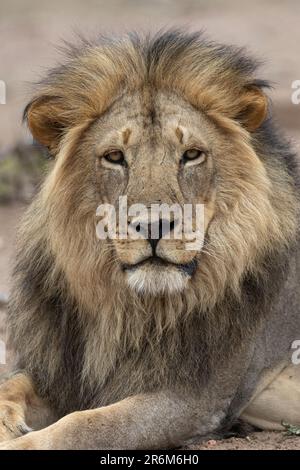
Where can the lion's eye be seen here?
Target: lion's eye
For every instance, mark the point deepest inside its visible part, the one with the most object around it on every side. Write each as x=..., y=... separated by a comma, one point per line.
x=193, y=155
x=115, y=156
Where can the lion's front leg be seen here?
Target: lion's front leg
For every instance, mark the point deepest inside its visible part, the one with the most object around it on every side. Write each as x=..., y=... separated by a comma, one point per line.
x=21, y=410
x=142, y=422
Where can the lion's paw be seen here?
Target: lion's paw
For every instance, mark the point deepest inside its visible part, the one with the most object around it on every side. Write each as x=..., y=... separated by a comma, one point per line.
x=12, y=423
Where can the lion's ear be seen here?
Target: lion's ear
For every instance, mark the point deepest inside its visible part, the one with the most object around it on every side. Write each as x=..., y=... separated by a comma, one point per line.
x=45, y=119
x=253, y=108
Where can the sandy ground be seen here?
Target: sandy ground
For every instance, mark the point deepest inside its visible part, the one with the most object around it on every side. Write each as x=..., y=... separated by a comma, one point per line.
x=29, y=29
x=255, y=441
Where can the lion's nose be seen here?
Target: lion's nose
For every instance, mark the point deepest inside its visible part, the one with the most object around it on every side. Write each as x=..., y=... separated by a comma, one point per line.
x=158, y=230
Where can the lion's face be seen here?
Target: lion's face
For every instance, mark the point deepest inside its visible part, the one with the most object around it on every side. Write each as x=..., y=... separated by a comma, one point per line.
x=155, y=150
x=172, y=121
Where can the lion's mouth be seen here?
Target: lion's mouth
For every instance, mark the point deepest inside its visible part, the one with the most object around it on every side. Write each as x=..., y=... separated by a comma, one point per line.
x=155, y=261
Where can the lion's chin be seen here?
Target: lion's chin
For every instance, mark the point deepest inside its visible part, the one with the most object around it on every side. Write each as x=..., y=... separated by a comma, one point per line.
x=157, y=281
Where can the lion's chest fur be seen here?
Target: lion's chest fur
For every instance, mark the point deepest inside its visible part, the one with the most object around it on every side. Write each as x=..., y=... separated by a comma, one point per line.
x=76, y=369
x=87, y=376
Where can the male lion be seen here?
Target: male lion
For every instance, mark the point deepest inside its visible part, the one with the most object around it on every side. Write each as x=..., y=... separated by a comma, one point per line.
x=125, y=343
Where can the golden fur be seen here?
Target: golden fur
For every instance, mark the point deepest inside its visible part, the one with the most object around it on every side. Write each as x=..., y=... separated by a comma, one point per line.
x=254, y=219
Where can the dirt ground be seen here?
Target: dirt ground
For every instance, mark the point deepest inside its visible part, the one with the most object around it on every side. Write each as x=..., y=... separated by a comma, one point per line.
x=28, y=32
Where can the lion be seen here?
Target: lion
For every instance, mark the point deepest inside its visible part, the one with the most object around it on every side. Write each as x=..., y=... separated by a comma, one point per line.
x=126, y=343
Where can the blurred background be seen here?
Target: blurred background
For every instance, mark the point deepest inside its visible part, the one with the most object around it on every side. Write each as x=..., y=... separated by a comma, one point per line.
x=30, y=30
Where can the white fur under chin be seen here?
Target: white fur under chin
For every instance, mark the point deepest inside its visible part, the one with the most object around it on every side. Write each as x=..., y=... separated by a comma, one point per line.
x=145, y=281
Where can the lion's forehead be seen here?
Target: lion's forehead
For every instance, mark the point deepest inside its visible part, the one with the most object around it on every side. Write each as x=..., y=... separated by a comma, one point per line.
x=134, y=119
